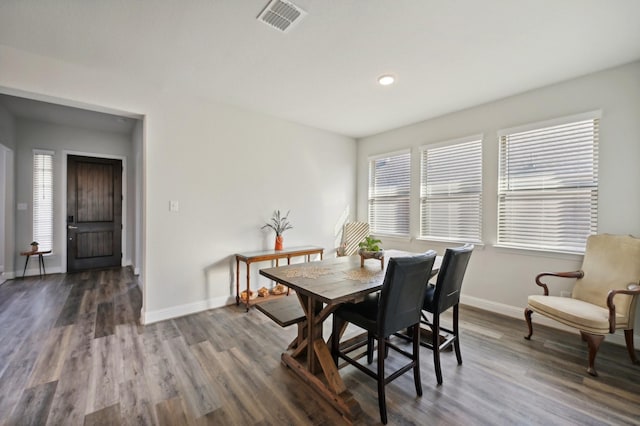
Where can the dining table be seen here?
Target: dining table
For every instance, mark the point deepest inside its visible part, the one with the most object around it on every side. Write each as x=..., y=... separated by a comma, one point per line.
x=321, y=287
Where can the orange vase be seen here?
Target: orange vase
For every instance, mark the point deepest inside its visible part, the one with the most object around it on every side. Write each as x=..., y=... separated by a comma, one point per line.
x=279, y=240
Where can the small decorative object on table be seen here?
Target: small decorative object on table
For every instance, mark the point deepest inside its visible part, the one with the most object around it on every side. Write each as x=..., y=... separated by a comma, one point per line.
x=34, y=246
x=263, y=292
x=370, y=249
x=279, y=224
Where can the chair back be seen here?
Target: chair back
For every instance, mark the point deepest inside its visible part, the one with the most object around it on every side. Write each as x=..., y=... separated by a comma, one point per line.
x=449, y=282
x=403, y=291
x=611, y=262
x=352, y=234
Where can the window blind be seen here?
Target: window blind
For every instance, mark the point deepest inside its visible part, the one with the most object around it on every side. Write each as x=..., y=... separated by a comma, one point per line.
x=548, y=186
x=43, y=199
x=389, y=190
x=451, y=192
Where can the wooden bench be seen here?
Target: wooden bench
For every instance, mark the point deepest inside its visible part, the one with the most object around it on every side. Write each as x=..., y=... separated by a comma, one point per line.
x=286, y=311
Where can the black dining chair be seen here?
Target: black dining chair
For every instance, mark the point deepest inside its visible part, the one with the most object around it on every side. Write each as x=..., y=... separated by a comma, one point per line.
x=442, y=296
x=396, y=307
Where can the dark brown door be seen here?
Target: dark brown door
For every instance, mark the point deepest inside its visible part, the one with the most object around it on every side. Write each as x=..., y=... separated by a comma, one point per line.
x=94, y=213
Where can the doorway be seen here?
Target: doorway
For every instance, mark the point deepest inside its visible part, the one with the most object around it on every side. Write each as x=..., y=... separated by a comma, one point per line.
x=94, y=213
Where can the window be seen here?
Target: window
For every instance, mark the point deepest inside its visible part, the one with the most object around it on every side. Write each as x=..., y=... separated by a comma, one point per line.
x=43, y=199
x=548, y=185
x=451, y=191
x=389, y=190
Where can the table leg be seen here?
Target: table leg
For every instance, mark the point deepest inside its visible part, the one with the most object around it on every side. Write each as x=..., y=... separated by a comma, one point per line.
x=327, y=382
x=44, y=271
x=25, y=266
x=237, y=281
x=40, y=260
x=248, y=284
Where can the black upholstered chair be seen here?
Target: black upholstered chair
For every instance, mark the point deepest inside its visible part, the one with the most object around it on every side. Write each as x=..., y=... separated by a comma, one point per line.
x=444, y=295
x=396, y=307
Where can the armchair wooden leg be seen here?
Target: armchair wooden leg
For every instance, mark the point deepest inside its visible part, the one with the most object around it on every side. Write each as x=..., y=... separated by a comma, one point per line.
x=628, y=338
x=593, y=342
x=527, y=316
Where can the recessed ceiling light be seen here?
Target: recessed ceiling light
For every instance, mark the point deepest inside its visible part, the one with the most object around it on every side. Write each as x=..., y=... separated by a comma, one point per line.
x=385, y=80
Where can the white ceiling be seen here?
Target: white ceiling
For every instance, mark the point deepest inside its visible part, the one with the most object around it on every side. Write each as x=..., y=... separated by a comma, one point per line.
x=447, y=54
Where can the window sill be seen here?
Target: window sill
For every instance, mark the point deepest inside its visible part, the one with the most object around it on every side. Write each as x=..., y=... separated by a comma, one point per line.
x=566, y=255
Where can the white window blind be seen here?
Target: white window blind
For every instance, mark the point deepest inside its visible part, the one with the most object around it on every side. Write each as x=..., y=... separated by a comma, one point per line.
x=389, y=190
x=43, y=199
x=548, y=186
x=451, y=191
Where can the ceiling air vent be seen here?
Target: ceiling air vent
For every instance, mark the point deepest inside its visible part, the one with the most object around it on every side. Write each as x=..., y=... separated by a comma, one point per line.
x=281, y=15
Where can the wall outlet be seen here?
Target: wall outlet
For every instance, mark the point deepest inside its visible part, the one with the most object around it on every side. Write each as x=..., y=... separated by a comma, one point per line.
x=174, y=206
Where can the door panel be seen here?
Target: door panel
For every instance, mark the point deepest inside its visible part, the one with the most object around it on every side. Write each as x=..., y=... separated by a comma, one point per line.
x=94, y=213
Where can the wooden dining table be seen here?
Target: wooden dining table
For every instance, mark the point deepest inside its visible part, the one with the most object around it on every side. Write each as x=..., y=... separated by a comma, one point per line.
x=321, y=287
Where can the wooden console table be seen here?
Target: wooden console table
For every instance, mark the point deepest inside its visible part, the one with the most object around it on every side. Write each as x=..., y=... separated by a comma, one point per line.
x=264, y=255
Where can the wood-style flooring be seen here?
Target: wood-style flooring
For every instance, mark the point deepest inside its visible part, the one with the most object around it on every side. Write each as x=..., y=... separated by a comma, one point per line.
x=72, y=352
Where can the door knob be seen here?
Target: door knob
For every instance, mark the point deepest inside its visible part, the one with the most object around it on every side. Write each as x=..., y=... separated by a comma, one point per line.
x=72, y=227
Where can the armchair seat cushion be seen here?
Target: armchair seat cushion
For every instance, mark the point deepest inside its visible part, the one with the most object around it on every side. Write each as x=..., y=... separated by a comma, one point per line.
x=575, y=313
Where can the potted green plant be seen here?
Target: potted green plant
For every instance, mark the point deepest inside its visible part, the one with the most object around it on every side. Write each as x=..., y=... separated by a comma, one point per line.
x=34, y=246
x=279, y=224
x=370, y=248
x=370, y=244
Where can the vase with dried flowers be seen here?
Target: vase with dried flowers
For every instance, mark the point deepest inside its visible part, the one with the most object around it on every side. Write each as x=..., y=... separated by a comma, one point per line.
x=34, y=246
x=279, y=223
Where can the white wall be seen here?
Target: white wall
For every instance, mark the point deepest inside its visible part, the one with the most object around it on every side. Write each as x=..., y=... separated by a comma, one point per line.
x=501, y=279
x=60, y=139
x=228, y=169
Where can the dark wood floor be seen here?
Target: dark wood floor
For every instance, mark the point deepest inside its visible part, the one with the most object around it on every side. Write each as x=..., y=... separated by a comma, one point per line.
x=72, y=352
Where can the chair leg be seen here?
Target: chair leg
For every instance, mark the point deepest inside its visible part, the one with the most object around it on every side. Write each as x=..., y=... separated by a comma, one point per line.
x=593, y=342
x=628, y=338
x=416, y=359
x=435, y=342
x=370, y=342
x=527, y=316
x=456, y=342
x=382, y=401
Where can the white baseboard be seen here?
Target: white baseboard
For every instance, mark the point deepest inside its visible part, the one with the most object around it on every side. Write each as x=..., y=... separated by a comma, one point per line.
x=186, y=309
x=7, y=275
x=518, y=312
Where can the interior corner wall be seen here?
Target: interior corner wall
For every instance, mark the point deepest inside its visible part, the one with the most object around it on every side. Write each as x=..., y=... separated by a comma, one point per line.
x=501, y=279
x=33, y=134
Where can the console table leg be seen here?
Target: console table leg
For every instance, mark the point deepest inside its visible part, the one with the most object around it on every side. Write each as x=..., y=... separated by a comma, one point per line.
x=25, y=266
x=237, y=281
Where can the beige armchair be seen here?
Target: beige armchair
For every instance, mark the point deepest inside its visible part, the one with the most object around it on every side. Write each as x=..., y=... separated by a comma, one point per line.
x=604, y=296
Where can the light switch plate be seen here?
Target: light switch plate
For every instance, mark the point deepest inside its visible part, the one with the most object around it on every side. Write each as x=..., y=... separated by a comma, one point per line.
x=22, y=206
x=174, y=206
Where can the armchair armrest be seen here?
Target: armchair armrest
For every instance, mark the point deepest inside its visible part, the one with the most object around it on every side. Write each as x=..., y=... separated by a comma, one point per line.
x=633, y=289
x=573, y=274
